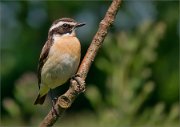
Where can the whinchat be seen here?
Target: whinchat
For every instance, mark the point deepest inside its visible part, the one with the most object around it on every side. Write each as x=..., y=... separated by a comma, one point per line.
x=60, y=56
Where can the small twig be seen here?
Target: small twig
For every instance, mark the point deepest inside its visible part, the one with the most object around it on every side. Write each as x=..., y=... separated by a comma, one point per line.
x=74, y=90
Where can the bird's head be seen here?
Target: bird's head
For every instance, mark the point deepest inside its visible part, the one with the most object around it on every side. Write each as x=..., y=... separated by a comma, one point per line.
x=64, y=26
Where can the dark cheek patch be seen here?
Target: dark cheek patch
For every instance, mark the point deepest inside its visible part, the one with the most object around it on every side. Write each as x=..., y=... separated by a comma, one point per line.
x=67, y=30
x=61, y=30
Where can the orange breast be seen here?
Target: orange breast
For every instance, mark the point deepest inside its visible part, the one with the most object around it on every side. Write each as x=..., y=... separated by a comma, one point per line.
x=68, y=44
x=63, y=61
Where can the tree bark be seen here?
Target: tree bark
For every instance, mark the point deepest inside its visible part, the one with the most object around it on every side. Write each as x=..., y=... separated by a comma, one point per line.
x=65, y=100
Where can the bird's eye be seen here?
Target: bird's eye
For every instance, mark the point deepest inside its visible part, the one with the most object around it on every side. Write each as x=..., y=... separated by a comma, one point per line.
x=65, y=25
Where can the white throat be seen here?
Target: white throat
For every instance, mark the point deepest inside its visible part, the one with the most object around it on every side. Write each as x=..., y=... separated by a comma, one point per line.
x=57, y=36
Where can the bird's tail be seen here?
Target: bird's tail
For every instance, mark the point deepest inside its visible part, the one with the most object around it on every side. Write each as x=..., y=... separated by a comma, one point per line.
x=40, y=100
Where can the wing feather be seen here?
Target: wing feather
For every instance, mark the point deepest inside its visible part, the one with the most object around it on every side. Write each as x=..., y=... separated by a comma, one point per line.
x=43, y=58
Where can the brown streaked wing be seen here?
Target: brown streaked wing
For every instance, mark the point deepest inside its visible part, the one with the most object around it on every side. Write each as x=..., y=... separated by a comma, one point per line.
x=43, y=58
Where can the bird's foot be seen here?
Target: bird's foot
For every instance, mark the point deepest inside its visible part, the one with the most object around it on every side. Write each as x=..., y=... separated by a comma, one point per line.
x=80, y=81
x=53, y=100
x=54, y=112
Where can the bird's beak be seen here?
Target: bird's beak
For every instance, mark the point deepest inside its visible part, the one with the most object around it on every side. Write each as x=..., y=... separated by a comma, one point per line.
x=80, y=24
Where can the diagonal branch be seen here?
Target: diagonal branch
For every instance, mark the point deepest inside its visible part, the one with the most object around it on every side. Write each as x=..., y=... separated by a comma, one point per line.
x=74, y=90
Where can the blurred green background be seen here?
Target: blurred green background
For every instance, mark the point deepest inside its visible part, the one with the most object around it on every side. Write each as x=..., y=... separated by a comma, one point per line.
x=133, y=81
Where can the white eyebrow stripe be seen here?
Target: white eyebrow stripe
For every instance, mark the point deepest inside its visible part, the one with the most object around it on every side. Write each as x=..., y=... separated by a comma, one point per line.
x=60, y=24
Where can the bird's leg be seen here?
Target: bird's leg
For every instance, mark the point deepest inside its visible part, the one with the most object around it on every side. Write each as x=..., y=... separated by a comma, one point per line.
x=80, y=81
x=53, y=100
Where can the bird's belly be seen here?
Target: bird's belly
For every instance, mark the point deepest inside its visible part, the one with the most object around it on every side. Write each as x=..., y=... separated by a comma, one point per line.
x=58, y=69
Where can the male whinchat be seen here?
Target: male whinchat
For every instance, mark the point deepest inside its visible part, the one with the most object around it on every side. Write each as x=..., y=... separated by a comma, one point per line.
x=60, y=56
